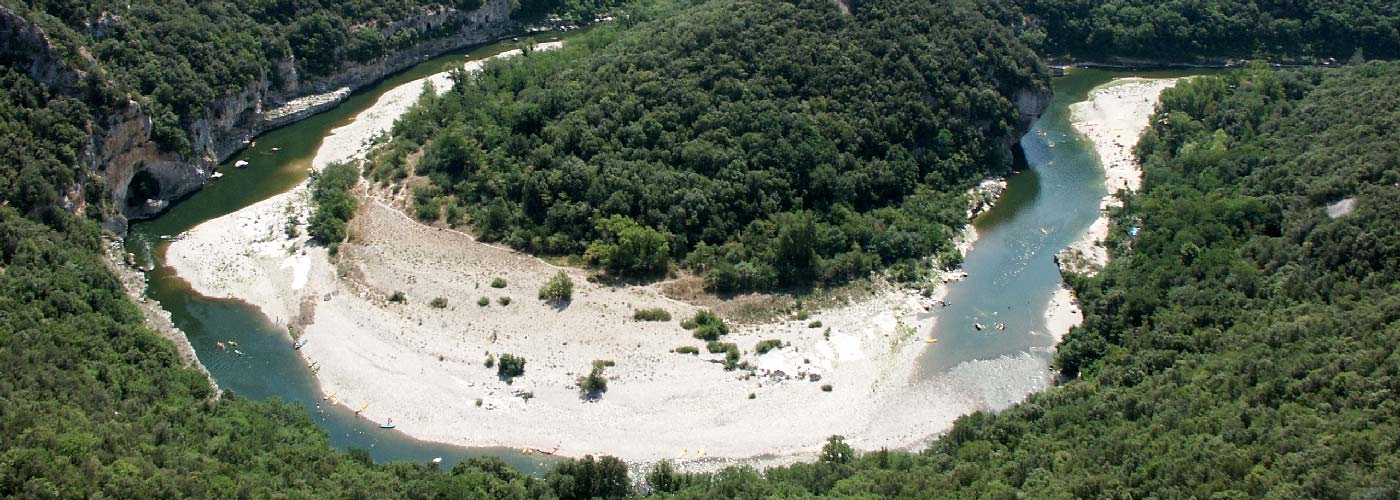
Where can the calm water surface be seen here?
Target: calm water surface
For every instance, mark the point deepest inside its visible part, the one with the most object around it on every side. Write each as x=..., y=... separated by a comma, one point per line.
x=1011, y=270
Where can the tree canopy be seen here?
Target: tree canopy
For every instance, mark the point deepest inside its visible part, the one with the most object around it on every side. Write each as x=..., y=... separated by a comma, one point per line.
x=770, y=143
x=1188, y=29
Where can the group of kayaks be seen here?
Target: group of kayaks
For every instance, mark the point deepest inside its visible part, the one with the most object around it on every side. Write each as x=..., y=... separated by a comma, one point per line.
x=388, y=423
x=222, y=346
x=177, y=237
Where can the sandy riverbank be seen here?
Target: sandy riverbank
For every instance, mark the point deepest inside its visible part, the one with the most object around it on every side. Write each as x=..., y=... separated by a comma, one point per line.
x=1112, y=118
x=1062, y=313
x=424, y=366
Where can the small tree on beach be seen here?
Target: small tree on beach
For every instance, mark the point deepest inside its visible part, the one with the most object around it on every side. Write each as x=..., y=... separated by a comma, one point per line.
x=706, y=325
x=652, y=314
x=510, y=366
x=594, y=384
x=560, y=288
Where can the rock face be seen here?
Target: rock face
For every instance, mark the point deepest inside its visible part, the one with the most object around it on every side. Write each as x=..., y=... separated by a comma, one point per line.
x=1030, y=102
x=143, y=180
x=27, y=46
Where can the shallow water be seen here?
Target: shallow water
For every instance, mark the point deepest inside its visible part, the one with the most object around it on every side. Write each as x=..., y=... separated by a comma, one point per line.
x=1011, y=274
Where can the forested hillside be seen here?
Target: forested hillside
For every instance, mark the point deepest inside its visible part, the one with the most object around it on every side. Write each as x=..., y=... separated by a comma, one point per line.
x=1242, y=345
x=176, y=58
x=1183, y=30
x=762, y=143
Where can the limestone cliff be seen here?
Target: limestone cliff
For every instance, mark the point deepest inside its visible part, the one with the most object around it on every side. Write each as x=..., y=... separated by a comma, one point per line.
x=25, y=45
x=143, y=180
x=126, y=153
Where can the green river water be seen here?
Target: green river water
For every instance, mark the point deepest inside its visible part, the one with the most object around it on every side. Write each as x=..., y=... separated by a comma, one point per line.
x=1011, y=272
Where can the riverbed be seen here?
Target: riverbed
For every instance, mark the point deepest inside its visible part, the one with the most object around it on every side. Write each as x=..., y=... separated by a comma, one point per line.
x=1011, y=277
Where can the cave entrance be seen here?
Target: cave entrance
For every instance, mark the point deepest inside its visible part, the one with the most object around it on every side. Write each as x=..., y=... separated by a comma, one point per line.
x=143, y=186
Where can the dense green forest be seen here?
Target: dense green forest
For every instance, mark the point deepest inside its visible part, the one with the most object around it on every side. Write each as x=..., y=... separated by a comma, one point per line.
x=762, y=143
x=41, y=136
x=1189, y=29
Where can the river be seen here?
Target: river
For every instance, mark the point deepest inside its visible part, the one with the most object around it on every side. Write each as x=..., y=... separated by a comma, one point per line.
x=1011, y=271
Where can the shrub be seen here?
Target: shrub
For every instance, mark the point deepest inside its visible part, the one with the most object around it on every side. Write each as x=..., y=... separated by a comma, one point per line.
x=483, y=301
x=426, y=204
x=510, y=366
x=335, y=205
x=397, y=297
x=767, y=345
x=710, y=331
x=594, y=384
x=687, y=349
x=701, y=316
x=558, y=289
x=505, y=301
x=439, y=302
x=814, y=324
x=706, y=325
x=731, y=353
x=653, y=314
x=949, y=258
x=490, y=361
x=498, y=283
x=664, y=479
x=291, y=228
x=826, y=387
x=628, y=247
